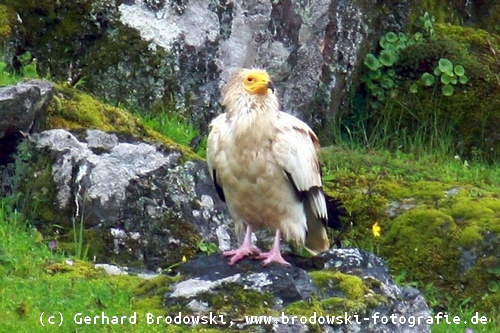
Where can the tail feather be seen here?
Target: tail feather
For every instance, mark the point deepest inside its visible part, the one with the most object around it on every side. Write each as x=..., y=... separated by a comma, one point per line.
x=317, y=238
x=336, y=210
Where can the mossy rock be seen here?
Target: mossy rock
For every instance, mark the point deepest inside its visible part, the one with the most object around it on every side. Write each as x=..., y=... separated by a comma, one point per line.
x=72, y=109
x=415, y=242
x=427, y=243
x=83, y=43
x=7, y=21
x=77, y=111
x=341, y=293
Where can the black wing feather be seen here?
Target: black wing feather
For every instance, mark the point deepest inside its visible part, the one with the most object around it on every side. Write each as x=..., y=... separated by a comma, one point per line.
x=301, y=195
x=218, y=188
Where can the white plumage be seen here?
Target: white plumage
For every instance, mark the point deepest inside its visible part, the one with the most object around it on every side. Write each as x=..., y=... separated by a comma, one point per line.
x=265, y=166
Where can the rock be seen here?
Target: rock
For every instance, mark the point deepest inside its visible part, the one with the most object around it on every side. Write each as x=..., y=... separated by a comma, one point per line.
x=22, y=104
x=183, y=50
x=111, y=269
x=288, y=284
x=20, y=107
x=280, y=293
x=315, y=47
x=143, y=206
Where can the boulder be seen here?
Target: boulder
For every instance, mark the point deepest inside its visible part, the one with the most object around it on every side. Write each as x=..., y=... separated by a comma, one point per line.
x=182, y=50
x=145, y=205
x=316, y=48
x=350, y=284
x=22, y=104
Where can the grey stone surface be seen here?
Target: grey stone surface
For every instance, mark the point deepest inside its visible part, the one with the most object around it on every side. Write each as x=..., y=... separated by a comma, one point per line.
x=151, y=206
x=313, y=49
x=292, y=284
x=22, y=104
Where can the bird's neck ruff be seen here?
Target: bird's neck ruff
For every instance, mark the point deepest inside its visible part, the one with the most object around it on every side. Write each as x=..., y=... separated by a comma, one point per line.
x=247, y=110
x=251, y=113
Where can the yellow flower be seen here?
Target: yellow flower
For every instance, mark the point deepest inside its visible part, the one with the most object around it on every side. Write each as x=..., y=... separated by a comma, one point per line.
x=184, y=259
x=376, y=230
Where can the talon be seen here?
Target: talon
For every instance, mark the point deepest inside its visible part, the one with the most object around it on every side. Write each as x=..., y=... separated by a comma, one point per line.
x=245, y=250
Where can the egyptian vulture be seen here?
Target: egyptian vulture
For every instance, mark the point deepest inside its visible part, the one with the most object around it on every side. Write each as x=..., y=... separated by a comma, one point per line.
x=264, y=164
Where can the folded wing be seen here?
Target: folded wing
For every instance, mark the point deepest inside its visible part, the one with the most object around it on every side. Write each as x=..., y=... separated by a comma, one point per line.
x=295, y=148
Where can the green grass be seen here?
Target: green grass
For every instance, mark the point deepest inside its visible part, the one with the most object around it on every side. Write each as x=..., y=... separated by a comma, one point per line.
x=445, y=169
x=349, y=171
x=36, y=280
x=174, y=127
x=464, y=315
x=26, y=71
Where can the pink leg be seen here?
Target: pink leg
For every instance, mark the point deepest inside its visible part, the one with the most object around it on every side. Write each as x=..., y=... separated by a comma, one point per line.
x=245, y=250
x=275, y=254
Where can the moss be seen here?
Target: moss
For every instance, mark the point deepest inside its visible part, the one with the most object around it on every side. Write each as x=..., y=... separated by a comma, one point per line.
x=72, y=109
x=426, y=190
x=476, y=216
x=149, y=294
x=351, y=286
x=476, y=281
x=492, y=203
x=427, y=243
x=490, y=303
x=7, y=19
x=156, y=286
x=236, y=301
x=75, y=269
x=417, y=241
x=470, y=236
x=469, y=209
x=475, y=107
x=307, y=309
x=476, y=39
x=352, y=295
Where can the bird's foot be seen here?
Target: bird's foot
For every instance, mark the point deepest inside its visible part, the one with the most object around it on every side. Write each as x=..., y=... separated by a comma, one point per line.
x=273, y=256
x=240, y=253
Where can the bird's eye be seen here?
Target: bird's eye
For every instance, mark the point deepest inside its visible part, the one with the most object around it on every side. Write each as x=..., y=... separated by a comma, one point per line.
x=249, y=79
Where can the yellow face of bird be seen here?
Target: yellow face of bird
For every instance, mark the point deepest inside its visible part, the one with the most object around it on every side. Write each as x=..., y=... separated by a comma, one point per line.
x=257, y=82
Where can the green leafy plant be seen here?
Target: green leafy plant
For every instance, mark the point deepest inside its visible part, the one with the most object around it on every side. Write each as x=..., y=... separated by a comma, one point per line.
x=426, y=24
x=446, y=74
x=207, y=247
x=380, y=78
x=400, y=105
x=494, y=284
x=28, y=70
